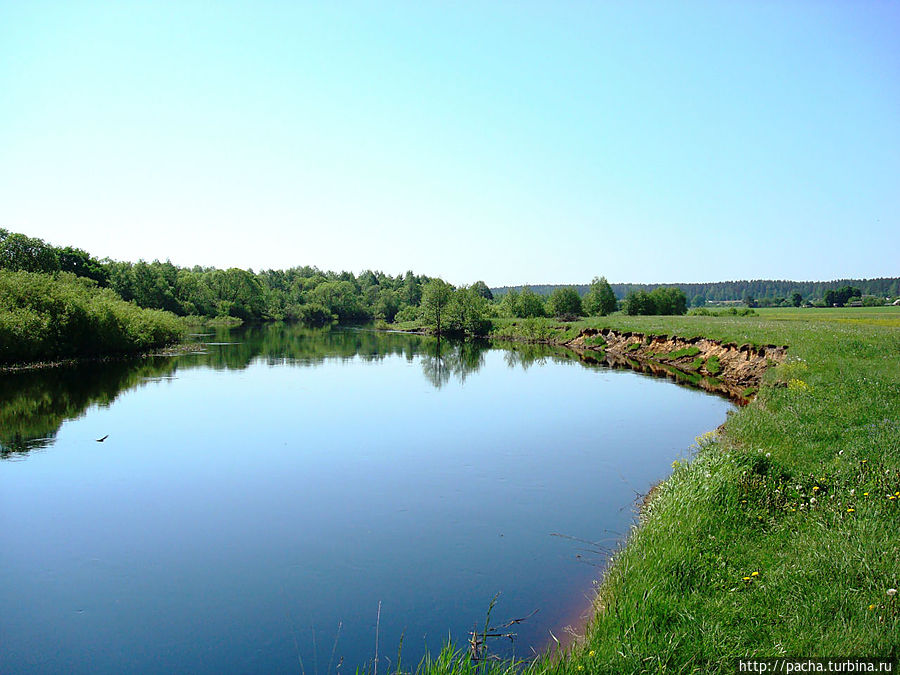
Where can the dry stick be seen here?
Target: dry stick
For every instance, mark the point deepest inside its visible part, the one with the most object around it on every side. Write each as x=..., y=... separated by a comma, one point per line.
x=377, y=625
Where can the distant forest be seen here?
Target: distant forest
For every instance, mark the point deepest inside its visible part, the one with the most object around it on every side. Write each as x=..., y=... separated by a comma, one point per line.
x=737, y=290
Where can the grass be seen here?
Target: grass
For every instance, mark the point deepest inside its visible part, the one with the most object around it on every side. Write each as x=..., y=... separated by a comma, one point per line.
x=780, y=535
x=713, y=366
x=679, y=353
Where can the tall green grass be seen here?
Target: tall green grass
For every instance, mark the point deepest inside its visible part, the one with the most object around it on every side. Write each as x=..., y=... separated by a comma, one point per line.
x=48, y=317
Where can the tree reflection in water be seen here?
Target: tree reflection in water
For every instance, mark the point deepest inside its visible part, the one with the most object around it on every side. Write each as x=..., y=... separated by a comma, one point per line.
x=34, y=404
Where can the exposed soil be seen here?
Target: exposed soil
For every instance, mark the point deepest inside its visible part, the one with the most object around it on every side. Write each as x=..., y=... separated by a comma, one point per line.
x=725, y=368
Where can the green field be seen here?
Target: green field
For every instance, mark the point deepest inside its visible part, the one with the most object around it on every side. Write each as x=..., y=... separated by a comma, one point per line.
x=779, y=536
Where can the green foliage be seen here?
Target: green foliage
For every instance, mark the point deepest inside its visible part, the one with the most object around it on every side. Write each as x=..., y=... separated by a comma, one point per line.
x=841, y=296
x=314, y=314
x=482, y=289
x=407, y=313
x=387, y=304
x=467, y=312
x=564, y=302
x=713, y=366
x=600, y=299
x=339, y=298
x=522, y=305
x=21, y=253
x=680, y=353
x=731, y=311
x=44, y=317
x=796, y=299
x=436, y=296
x=658, y=301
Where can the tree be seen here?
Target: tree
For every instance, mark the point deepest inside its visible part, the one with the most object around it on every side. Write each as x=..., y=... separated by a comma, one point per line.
x=608, y=302
x=529, y=304
x=387, y=304
x=639, y=303
x=482, y=289
x=796, y=299
x=466, y=312
x=668, y=300
x=660, y=301
x=698, y=301
x=436, y=295
x=339, y=298
x=565, y=301
x=26, y=254
x=600, y=299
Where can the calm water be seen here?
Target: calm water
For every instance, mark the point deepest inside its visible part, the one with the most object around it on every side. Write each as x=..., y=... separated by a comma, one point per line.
x=253, y=504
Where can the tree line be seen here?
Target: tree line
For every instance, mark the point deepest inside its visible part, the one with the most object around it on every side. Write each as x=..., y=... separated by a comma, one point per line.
x=318, y=297
x=759, y=289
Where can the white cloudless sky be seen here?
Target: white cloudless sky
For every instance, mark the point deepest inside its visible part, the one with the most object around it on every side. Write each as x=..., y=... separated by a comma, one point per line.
x=508, y=141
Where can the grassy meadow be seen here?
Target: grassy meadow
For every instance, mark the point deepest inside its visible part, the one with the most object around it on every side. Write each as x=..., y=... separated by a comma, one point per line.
x=779, y=536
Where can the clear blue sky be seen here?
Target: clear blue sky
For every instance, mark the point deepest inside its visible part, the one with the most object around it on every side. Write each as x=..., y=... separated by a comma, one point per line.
x=506, y=141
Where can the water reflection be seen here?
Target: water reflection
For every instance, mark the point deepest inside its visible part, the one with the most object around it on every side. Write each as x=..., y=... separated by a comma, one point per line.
x=34, y=404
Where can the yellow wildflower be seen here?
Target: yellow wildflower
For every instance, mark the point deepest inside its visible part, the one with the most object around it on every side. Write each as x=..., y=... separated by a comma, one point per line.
x=850, y=509
x=871, y=607
x=755, y=574
x=591, y=653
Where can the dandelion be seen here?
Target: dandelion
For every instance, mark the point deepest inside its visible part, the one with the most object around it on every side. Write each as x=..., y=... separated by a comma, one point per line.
x=816, y=488
x=865, y=494
x=591, y=653
x=746, y=578
x=755, y=574
x=850, y=509
x=871, y=607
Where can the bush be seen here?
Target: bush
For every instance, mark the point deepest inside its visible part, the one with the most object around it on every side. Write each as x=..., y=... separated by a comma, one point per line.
x=64, y=316
x=565, y=301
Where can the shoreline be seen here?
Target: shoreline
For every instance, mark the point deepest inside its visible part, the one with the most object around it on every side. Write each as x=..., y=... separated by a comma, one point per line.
x=175, y=349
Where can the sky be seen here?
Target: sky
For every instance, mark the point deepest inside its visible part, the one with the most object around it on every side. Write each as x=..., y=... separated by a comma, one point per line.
x=512, y=142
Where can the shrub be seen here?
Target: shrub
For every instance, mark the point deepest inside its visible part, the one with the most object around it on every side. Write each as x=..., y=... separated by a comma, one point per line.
x=63, y=316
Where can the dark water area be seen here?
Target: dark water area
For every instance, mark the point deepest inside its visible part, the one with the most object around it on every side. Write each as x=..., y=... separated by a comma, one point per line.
x=254, y=503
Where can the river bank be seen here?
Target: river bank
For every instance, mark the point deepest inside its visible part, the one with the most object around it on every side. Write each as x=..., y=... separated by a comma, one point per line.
x=777, y=536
